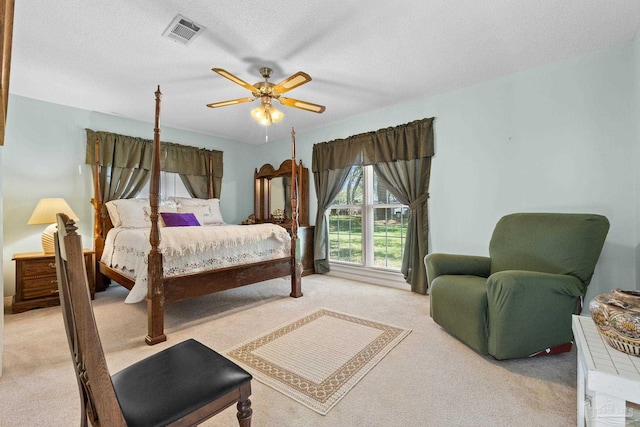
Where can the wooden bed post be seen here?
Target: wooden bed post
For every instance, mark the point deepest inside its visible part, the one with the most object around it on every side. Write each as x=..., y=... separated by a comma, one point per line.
x=101, y=282
x=296, y=266
x=155, y=285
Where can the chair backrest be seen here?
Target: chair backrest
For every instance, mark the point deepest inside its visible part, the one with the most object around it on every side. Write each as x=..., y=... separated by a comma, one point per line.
x=97, y=394
x=558, y=243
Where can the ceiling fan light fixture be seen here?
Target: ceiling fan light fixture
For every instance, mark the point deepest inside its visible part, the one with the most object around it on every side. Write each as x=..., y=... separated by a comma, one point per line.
x=276, y=115
x=266, y=114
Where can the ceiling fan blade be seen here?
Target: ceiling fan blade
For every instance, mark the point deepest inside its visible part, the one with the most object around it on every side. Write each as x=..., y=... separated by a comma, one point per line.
x=236, y=80
x=289, y=102
x=292, y=82
x=229, y=102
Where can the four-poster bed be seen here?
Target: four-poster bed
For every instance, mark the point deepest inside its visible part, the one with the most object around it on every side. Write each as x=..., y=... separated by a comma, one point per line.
x=164, y=288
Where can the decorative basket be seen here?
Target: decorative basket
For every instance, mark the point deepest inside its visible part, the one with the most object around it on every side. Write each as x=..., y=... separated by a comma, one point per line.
x=617, y=316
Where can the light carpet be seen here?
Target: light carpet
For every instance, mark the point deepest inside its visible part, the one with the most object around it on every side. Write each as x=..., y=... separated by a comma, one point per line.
x=429, y=380
x=317, y=359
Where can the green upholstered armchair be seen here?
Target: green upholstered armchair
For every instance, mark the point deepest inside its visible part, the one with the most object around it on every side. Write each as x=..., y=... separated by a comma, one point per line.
x=518, y=301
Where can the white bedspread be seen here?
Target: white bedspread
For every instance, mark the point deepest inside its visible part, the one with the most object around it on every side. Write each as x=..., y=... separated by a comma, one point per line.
x=192, y=249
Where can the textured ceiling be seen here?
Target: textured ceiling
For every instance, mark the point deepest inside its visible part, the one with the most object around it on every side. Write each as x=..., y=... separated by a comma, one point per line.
x=109, y=55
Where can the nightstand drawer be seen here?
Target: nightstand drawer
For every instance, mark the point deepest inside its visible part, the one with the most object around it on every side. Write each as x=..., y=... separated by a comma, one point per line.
x=39, y=287
x=38, y=267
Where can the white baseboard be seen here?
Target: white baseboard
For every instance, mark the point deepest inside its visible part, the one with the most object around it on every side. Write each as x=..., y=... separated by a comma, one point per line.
x=369, y=275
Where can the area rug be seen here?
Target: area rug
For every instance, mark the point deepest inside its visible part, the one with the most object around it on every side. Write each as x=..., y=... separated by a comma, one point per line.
x=317, y=359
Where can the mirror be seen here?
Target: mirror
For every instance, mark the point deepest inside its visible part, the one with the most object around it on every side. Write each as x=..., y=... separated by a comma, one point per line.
x=272, y=193
x=278, y=198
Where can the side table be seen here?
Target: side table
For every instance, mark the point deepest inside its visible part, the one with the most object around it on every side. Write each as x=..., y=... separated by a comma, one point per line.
x=608, y=377
x=37, y=282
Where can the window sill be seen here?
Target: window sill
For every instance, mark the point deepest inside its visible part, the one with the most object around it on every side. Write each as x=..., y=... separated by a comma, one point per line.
x=370, y=275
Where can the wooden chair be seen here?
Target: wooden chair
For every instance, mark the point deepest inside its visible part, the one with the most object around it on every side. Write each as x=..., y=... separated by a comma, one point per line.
x=180, y=386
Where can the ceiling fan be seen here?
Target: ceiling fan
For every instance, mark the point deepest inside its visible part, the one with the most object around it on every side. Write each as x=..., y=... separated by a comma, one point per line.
x=266, y=91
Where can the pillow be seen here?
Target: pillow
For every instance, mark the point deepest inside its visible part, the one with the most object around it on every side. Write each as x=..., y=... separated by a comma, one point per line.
x=207, y=210
x=202, y=213
x=175, y=219
x=127, y=212
x=134, y=213
x=162, y=208
x=188, y=201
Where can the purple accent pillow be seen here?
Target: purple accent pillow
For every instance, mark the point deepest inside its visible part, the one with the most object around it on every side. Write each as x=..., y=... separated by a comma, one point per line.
x=174, y=219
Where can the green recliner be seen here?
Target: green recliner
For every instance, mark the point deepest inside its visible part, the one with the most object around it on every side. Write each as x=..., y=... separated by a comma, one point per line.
x=518, y=301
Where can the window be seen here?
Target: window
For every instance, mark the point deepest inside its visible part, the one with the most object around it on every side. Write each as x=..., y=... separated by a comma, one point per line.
x=170, y=186
x=367, y=224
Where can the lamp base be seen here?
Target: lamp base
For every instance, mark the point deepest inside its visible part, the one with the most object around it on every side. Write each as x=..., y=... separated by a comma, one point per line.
x=47, y=239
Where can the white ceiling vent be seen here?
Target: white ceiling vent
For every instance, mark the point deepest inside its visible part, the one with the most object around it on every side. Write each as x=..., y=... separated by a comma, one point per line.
x=182, y=30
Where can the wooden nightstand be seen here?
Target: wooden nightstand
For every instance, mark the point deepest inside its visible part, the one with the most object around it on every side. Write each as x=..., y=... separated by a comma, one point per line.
x=36, y=280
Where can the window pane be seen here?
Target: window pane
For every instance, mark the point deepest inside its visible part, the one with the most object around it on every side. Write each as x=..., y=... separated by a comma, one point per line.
x=352, y=190
x=345, y=235
x=389, y=230
x=380, y=193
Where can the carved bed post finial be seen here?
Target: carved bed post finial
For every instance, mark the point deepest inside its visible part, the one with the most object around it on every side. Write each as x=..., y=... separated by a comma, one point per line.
x=154, y=186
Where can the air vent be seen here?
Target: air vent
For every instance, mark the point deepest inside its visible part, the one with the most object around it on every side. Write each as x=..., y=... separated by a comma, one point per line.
x=182, y=30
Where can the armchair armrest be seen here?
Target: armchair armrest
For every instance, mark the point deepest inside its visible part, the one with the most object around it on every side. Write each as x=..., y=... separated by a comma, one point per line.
x=530, y=311
x=444, y=264
x=508, y=284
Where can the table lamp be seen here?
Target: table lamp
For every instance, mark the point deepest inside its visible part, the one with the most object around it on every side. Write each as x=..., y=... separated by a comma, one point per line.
x=45, y=213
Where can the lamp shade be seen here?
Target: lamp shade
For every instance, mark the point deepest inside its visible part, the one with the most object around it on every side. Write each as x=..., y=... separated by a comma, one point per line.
x=45, y=213
x=46, y=210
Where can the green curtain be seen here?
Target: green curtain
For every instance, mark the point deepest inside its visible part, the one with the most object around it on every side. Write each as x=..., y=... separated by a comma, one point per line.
x=401, y=156
x=338, y=154
x=408, y=181
x=126, y=165
x=200, y=169
x=328, y=184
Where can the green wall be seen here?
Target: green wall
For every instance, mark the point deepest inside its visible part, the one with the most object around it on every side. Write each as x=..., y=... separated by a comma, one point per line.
x=562, y=137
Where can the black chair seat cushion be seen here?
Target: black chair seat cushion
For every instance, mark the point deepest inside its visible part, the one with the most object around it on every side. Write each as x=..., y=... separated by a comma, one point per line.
x=174, y=382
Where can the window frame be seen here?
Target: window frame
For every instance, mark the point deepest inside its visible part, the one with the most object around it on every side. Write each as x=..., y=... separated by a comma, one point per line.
x=367, y=209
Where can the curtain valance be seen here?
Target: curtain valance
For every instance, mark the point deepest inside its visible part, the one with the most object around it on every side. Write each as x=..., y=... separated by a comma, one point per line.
x=190, y=160
x=410, y=141
x=126, y=165
x=122, y=151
